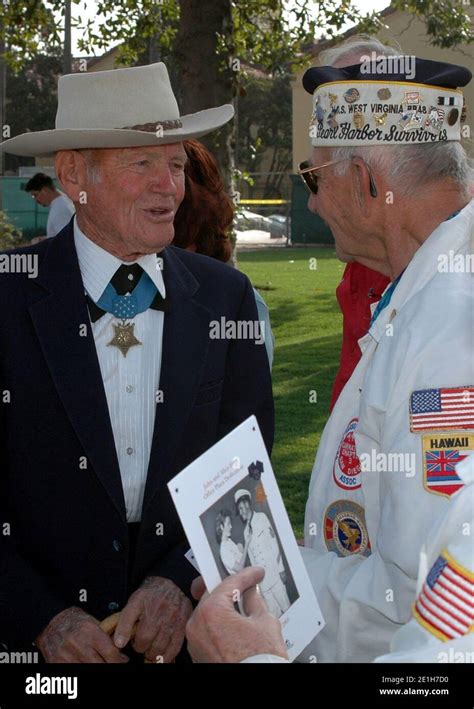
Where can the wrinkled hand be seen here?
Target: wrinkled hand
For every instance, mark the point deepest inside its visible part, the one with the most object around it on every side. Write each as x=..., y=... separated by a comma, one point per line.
x=216, y=632
x=198, y=588
x=160, y=611
x=75, y=636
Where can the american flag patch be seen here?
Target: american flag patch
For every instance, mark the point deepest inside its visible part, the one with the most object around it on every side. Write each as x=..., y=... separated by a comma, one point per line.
x=438, y=409
x=445, y=605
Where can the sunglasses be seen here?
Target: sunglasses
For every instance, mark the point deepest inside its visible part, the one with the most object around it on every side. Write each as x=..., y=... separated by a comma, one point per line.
x=308, y=174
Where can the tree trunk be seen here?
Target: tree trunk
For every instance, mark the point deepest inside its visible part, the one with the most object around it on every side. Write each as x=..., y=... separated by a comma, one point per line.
x=67, y=56
x=3, y=99
x=206, y=78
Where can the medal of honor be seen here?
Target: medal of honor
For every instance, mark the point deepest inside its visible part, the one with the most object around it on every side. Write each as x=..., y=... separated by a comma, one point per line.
x=124, y=337
x=125, y=307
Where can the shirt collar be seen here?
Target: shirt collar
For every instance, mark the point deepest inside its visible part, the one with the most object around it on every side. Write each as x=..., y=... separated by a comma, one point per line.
x=98, y=265
x=451, y=235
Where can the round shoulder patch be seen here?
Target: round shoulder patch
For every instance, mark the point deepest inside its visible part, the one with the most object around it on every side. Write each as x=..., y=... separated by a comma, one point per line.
x=345, y=531
x=346, y=469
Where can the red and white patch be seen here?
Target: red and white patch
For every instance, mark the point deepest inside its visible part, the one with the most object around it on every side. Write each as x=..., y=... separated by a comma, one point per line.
x=346, y=469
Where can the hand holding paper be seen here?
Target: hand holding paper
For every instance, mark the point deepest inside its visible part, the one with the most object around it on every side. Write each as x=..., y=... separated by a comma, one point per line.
x=233, y=515
x=259, y=632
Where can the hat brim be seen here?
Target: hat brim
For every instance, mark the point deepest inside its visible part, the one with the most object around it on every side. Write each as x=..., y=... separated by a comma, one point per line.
x=48, y=142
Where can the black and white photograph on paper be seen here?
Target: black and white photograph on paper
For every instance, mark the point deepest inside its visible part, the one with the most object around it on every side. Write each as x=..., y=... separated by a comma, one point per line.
x=233, y=515
x=241, y=532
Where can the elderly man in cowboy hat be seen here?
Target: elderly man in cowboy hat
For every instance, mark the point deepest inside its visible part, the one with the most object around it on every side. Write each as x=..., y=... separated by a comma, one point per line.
x=391, y=495
x=110, y=382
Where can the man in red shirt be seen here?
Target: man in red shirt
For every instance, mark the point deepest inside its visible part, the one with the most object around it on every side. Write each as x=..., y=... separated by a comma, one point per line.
x=359, y=288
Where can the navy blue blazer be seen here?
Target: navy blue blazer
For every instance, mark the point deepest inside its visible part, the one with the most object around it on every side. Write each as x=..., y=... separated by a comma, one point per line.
x=61, y=494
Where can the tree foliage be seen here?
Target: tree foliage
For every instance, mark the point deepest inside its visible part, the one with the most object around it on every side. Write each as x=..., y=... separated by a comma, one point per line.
x=264, y=132
x=448, y=22
x=273, y=35
x=31, y=95
x=10, y=236
x=268, y=32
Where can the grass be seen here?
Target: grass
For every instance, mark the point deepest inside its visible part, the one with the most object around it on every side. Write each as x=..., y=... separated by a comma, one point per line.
x=307, y=326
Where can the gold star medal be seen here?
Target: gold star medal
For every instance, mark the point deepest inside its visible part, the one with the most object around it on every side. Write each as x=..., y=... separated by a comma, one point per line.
x=124, y=337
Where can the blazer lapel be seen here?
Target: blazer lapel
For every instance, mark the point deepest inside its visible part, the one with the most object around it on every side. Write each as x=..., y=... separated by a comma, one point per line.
x=62, y=324
x=185, y=344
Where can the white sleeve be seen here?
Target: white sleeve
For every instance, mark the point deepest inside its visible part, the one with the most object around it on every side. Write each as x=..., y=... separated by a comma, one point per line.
x=228, y=560
x=358, y=627
x=275, y=545
x=59, y=215
x=441, y=629
x=265, y=659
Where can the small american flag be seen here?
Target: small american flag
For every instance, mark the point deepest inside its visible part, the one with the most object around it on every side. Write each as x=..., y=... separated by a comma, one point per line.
x=434, y=409
x=445, y=605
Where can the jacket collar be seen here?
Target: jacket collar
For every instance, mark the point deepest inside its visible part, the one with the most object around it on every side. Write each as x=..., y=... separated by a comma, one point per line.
x=59, y=313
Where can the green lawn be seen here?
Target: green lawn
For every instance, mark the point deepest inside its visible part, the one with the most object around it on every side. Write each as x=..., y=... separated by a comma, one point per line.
x=307, y=325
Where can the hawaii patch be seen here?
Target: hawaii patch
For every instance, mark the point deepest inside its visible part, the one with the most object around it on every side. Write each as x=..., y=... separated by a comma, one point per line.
x=346, y=468
x=441, y=454
x=445, y=605
x=345, y=531
x=438, y=409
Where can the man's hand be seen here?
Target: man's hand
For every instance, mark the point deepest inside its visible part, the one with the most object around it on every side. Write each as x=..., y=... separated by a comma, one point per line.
x=218, y=633
x=75, y=636
x=160, y=610
x=198, y=588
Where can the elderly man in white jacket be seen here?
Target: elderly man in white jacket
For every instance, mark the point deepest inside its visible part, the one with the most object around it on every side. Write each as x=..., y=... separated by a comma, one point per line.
x=392, y=181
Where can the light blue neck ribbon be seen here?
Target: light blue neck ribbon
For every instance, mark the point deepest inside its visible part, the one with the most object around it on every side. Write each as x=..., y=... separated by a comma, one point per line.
x=125, y=307
x=385, y=299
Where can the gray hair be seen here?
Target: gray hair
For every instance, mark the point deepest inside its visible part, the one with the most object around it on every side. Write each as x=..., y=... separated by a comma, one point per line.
x=93, y=170
x=408, y=167
x=358, y=45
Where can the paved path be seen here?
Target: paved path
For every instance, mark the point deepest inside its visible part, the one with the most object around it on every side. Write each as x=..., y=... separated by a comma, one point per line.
x=255, y=239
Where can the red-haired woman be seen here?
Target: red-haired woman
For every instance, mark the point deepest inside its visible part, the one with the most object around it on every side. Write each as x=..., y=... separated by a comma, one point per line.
x=204, y=219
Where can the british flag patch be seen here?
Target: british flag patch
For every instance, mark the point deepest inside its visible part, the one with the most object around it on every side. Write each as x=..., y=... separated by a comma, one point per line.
x=445, y=605
x=441, y=454
x=438, y=409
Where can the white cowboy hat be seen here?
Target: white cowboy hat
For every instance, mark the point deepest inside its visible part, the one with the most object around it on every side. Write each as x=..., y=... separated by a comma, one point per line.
x=120, y=108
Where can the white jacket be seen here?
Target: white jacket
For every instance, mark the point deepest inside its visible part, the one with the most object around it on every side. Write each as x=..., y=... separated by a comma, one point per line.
x=444, y=605
x=364, y=529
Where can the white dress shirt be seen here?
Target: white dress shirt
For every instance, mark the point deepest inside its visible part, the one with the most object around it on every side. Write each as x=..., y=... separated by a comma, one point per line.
x=61, y=210
x=131, y=383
